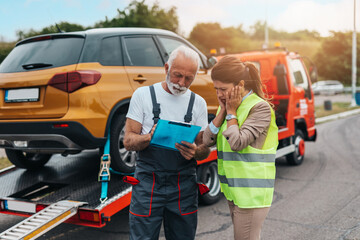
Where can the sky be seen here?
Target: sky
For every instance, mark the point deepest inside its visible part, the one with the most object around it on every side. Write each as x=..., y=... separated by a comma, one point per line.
x=288, y=15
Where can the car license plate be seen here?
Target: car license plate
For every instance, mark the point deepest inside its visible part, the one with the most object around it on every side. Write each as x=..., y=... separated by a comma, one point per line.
x=22, y=95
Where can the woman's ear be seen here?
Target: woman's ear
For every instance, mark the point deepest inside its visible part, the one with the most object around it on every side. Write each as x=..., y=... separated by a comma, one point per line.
x=241, y=83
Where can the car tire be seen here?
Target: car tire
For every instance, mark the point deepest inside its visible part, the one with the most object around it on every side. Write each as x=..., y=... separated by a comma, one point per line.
x=121, y=160
x=209, y=176
x=30, y=161
x=297, y=157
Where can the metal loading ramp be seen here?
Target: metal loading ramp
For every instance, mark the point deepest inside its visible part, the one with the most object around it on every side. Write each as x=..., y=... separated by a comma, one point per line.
x=43, y=221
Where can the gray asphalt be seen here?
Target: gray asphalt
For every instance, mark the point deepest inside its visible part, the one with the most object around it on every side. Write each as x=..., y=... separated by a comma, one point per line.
x=320, y=199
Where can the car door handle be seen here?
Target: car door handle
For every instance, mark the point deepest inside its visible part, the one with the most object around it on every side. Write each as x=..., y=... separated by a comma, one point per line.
x=140, y=79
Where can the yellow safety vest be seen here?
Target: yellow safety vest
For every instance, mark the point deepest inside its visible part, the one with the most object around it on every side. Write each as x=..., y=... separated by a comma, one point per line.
x=247, y=177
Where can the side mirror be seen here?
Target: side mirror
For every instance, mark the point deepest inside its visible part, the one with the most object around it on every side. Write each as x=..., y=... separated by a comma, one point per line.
x=211, y=62
x=312, y=69
x=313, y=73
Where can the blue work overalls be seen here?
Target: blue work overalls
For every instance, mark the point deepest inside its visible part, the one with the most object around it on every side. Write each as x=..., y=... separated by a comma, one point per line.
x=167, y=191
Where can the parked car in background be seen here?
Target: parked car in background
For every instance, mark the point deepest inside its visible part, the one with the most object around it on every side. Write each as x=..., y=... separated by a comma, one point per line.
x=328, y=87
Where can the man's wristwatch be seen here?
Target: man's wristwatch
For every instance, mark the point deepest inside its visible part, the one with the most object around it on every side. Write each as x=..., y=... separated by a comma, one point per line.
x=230, y=116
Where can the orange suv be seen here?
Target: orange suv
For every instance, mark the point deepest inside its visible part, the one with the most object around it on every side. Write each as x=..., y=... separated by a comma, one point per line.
x=64, y=93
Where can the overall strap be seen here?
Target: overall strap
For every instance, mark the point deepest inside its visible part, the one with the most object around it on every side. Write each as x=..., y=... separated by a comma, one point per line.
x=156, y=106
x=188, y=116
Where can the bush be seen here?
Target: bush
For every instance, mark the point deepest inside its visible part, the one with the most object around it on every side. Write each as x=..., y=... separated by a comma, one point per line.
x=5, y=49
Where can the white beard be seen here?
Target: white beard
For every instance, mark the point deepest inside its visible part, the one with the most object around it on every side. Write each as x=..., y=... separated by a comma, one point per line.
x=175, y=88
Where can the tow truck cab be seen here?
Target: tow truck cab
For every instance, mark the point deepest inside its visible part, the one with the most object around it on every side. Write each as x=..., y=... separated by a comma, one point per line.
x=287, y=84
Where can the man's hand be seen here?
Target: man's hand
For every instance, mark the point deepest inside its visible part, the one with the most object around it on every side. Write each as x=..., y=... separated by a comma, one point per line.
x=152, y=131
x=196, y=150
x=188, y=151
x=134, y=140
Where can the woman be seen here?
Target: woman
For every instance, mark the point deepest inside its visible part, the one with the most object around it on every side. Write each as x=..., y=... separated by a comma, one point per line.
x=246, y=136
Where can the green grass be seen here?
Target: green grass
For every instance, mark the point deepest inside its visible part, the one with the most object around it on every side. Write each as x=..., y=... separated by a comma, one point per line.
x=4, y=162
x=306, y=48
x=7, y=44
x=337, y=107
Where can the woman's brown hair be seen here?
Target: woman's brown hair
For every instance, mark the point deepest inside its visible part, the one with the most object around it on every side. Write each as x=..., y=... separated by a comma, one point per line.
x=231, y=70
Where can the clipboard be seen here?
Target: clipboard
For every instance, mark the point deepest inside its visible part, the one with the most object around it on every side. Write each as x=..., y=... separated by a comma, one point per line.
x=167, y=133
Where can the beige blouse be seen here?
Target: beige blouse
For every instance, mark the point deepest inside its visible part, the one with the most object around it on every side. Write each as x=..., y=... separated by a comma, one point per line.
x=252, y=132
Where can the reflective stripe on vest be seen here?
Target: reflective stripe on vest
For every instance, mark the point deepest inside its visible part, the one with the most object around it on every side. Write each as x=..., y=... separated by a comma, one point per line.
x=247, y=177
x=247, y=182
x=246, y=157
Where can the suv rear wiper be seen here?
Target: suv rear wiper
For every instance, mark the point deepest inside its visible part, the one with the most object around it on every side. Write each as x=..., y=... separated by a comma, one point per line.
x=36, y=65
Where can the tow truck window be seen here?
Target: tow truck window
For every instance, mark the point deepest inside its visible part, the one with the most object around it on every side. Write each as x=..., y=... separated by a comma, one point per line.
x=299, y=76
x=170, y=44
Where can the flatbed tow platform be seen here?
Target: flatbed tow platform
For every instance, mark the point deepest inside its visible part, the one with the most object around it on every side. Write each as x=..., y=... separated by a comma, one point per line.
x=70, y=181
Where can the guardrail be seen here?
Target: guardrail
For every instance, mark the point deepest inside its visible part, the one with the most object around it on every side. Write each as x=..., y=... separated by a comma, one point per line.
x=349, y=89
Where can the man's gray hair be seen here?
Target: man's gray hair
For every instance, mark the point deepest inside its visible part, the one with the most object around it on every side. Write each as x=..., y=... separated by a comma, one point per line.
x=187, y=52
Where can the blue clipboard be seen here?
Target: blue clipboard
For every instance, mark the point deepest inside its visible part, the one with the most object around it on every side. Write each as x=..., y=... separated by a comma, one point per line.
x=167, y=133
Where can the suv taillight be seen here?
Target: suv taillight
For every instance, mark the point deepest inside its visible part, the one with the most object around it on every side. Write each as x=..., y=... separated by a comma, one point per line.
x=72, y=81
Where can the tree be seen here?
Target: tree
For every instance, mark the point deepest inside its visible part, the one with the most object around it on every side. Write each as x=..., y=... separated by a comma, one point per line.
x=334, y=58
x=5, y=49
x=208, y=36
x=64, y=26
x=305, y=34
x=138, y=14
x=258, y=32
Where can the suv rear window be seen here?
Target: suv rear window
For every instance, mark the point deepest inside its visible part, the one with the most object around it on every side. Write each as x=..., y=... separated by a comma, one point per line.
x=50, y=53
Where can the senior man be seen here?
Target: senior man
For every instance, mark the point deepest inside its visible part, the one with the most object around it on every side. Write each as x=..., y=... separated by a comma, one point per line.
x=166, y=190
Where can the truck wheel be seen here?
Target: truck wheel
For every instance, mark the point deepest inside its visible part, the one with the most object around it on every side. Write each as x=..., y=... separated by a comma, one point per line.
x=209, y=176
x=121, y=159
x=297, y=157
x=27, y=160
